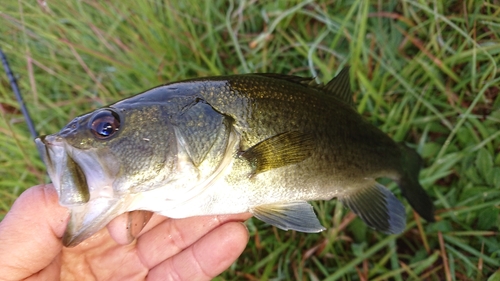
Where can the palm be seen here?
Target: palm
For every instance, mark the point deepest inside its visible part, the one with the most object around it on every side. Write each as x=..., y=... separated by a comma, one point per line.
x=197, y=248
x=102, y=258
x=165, y=249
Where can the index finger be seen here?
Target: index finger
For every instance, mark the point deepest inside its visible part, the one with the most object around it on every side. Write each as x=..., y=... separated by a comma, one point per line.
x=174, y=235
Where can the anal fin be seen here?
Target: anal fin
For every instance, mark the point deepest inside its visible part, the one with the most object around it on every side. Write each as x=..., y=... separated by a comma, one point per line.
x=297, y=216
x=377, y=207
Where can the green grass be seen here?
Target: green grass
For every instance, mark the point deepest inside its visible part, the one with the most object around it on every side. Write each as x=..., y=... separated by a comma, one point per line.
x=424, y=72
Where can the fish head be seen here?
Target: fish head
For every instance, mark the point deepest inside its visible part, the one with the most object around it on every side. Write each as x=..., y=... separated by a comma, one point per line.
x=100, y=161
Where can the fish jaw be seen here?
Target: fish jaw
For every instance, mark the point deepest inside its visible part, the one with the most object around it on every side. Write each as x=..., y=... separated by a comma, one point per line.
x=84, y=184
x=87, y=219
x=67, y=177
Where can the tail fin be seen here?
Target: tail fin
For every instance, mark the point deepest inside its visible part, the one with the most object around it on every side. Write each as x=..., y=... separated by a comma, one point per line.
x=411, y=188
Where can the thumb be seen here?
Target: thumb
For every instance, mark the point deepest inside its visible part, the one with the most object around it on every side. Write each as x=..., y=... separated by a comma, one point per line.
x=30, y=234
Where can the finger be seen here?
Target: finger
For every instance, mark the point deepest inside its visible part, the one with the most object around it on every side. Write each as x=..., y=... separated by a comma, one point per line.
x=126, y=227
x=174, y=235
x=153, y=222
x=30, y=234
x=207, y=258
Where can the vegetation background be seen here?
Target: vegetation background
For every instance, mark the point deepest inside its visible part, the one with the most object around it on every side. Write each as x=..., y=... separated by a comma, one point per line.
x=425, y=72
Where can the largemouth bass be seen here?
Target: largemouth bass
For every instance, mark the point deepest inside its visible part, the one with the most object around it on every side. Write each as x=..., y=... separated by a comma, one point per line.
x=259, y=143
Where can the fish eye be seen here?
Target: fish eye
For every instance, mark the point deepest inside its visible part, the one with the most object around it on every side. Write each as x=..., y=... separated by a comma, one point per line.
x=105, y=124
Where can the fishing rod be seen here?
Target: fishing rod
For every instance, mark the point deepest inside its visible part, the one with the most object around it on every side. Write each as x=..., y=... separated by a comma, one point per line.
x=15, y=88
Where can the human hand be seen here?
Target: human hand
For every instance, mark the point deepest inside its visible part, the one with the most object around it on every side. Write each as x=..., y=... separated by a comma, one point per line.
x=197, y=248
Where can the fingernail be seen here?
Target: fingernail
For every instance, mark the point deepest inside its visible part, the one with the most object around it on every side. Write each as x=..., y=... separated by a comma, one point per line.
x=137, y=220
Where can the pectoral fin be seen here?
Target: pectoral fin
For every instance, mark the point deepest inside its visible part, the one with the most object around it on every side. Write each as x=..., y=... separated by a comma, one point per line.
x=278, y=151
x=297, y=216
x=378, y=208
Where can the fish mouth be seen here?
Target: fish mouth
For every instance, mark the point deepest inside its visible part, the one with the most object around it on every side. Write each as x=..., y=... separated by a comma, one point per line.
x=82, y=184
x=66, y=175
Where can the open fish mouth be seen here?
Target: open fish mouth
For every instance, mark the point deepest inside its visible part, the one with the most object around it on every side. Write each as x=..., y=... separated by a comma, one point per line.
x=66, y=175
x=82, y=186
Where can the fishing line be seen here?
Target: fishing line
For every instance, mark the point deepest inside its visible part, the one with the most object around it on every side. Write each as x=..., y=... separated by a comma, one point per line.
x=15, y=88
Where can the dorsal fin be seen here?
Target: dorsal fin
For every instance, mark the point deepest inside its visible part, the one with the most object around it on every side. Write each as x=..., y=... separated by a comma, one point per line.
x=340, y=86
x=304, y=81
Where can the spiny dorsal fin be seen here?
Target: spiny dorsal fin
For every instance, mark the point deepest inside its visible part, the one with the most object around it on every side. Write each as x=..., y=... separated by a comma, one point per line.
x=304, y=81
x=340, y=86
x=278, y=151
